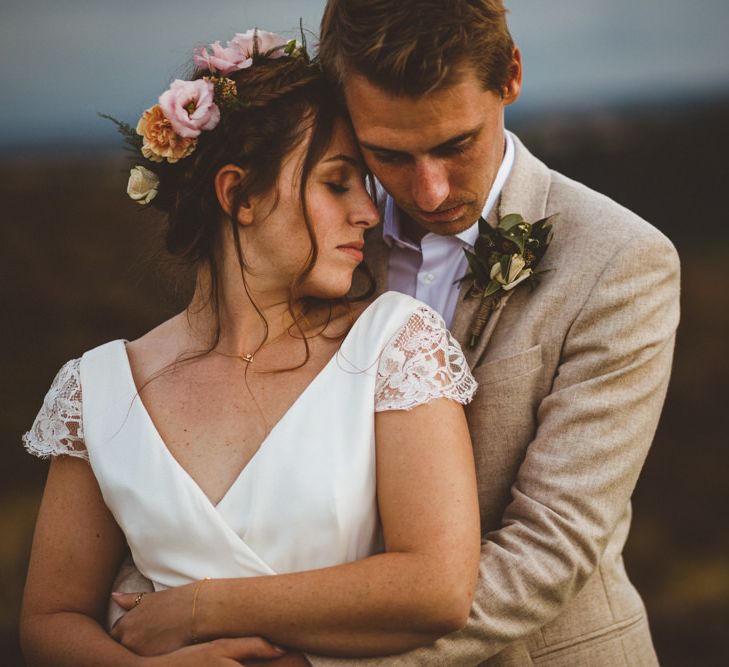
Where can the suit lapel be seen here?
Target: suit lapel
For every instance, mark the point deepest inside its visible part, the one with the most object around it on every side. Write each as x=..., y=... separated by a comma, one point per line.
x=525, y=192
x=527, y=189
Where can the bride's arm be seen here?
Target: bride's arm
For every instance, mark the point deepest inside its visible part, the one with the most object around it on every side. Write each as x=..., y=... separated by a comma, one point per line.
x=421, y=588
x=76, y=552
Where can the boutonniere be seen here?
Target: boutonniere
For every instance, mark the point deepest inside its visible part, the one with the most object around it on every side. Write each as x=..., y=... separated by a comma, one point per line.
x=503, y=257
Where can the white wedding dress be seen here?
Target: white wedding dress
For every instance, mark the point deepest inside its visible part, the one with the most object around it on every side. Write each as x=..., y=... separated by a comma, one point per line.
x=307, y=499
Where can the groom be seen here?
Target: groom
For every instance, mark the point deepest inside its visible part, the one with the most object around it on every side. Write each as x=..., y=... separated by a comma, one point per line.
x=572, y=374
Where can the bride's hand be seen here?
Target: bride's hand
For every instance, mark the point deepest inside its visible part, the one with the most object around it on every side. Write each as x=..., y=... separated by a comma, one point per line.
x=155, y=623
x=218, y=653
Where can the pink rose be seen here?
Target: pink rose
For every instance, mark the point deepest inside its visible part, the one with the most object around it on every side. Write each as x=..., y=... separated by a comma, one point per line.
x=190, y=107
x=222, y=60
x=266, y=42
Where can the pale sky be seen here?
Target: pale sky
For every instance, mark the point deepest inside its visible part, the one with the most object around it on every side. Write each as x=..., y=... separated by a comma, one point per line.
x=64, y=60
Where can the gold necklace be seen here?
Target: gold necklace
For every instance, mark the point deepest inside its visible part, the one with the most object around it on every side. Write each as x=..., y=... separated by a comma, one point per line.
x=248, y=358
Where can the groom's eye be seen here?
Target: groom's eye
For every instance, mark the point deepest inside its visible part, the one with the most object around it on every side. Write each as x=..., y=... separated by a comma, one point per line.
x=391, y=158
x=452, y=150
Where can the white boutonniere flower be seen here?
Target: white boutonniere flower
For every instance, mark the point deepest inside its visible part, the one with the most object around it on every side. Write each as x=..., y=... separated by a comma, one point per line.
x=503, y=257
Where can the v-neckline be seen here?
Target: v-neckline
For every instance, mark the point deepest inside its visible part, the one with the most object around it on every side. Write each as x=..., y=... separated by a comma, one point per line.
x=168, y=454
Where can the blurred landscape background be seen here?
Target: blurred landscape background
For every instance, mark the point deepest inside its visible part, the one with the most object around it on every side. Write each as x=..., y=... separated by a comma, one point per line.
x=631, y=98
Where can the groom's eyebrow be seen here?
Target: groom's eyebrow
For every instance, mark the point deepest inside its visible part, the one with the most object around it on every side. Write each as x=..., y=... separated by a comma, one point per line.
x=452, y=141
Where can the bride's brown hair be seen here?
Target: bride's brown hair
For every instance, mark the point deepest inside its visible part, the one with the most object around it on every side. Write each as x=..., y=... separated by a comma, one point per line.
x=281, y=102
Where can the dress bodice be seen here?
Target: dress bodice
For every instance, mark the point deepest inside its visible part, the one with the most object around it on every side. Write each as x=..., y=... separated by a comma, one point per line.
x=307, y=498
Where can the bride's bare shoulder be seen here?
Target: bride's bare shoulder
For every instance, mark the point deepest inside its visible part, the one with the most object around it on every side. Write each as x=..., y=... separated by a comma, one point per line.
x=345, y=316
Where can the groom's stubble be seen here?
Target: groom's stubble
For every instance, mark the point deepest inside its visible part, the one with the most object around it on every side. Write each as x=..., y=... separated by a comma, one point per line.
x=426, y=83
x=438, y=153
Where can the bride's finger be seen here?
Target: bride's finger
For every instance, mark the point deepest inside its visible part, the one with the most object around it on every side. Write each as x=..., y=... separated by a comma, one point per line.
x=239, y=648
x=128, y=601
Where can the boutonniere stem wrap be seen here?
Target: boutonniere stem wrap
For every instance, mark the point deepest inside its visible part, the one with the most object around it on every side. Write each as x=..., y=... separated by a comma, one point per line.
x=504, y=256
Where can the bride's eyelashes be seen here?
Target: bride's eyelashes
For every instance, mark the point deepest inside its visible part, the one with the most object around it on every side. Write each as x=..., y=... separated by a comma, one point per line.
x=344, y=178
x=337, y=188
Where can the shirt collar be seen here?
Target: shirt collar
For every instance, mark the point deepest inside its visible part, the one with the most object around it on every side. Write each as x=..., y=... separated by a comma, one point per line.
x=391, y=230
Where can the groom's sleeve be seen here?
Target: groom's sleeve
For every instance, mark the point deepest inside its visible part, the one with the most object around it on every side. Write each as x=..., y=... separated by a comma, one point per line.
x=594, y=431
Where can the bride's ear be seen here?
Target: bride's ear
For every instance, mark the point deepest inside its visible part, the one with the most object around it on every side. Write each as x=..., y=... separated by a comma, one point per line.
x=228, y=182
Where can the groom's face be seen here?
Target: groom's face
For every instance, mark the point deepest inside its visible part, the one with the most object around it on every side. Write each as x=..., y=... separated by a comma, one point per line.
x=436, y=154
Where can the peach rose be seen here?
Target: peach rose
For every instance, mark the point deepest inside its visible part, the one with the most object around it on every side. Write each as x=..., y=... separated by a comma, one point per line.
x=161, y=142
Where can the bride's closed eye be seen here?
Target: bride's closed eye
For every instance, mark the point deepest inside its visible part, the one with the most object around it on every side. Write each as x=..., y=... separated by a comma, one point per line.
x=337, y=188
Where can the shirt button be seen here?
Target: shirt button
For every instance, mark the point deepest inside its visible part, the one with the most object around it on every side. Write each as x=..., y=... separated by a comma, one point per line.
x=428, y=278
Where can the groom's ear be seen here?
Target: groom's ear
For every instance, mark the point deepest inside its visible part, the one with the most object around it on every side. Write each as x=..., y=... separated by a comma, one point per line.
x=228, y=184
x=513, y=85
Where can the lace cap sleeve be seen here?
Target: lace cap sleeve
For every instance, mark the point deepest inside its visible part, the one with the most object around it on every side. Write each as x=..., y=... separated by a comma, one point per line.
x=58, y=428
x=421, y=363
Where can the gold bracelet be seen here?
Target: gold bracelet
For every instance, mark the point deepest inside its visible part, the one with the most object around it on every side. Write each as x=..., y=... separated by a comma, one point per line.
x=193, y=632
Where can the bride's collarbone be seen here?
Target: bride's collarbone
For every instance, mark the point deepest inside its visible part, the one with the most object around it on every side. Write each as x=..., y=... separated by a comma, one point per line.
x=213, y=413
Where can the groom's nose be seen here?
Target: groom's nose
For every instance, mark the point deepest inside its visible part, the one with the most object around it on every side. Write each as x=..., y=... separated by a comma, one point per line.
x=430, y=186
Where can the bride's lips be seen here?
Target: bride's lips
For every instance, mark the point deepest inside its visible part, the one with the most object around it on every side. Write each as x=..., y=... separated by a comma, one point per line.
x=446, y=215
x=353, y=249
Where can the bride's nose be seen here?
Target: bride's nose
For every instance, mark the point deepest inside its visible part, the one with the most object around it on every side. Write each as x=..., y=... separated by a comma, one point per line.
x=365, y=213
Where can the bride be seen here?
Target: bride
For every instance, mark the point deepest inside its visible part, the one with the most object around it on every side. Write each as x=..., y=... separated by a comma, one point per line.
x=282, y=462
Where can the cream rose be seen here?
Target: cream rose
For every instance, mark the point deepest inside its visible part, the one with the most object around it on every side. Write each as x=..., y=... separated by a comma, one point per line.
x=517, y=273
x=143, y=184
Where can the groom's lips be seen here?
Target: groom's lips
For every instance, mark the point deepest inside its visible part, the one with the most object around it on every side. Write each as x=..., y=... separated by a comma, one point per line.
x=446, y=215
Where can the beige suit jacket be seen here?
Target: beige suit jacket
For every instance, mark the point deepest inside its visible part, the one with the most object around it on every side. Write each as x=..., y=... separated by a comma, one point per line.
x=572, y=377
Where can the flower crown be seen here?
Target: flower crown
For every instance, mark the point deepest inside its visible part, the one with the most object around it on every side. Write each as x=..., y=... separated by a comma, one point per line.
x=169, y=130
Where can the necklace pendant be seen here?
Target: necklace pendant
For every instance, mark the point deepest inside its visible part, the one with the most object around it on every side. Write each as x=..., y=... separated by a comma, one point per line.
x=248, y=358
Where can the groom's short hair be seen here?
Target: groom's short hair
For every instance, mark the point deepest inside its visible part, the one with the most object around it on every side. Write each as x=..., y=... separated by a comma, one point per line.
x=409, y=47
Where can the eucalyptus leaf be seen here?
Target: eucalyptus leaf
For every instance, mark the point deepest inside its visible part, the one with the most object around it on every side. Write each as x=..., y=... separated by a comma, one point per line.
x=484, y=227
x=505, y=263
x=484, y=245
x=511, y=220
x=492, y=288
x=543, y=228
x=478, y=267
x=517, y=238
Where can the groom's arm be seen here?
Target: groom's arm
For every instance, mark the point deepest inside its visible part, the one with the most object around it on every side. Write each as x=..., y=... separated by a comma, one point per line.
x=594, y=432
